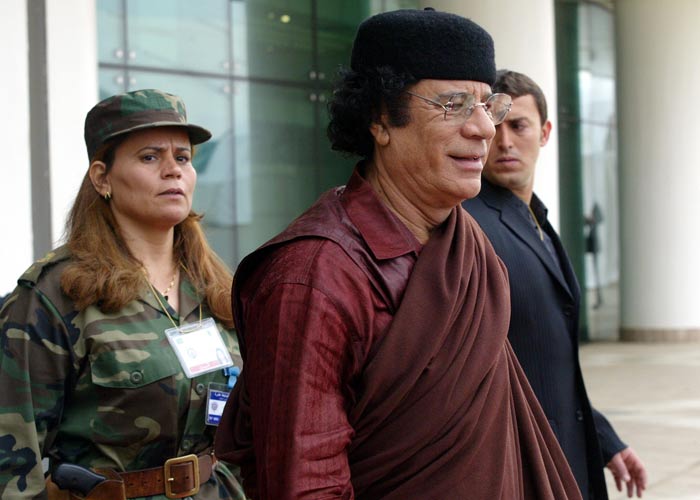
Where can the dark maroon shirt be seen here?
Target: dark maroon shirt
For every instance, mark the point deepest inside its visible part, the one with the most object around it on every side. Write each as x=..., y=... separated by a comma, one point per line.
x=309, y=327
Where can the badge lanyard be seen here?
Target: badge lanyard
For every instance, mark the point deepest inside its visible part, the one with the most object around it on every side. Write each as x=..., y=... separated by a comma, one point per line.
x=165, y=309
x=200, y=349
x=198, y=346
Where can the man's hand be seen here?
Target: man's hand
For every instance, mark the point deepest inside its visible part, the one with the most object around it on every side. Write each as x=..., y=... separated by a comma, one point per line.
x=628, y=467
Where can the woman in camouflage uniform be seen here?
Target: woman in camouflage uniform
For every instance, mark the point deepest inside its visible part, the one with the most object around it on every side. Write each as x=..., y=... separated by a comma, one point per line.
x=87, y=372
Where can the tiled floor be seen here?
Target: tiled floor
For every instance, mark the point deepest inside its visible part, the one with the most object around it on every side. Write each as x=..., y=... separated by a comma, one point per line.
x=651, y=394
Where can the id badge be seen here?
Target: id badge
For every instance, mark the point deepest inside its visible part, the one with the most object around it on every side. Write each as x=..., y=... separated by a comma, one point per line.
x=217, y=395
x=199, y=347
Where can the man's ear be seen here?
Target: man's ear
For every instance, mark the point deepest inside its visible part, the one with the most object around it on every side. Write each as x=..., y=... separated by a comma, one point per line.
x=99, y=178
x=379, y=131
x=544, y=135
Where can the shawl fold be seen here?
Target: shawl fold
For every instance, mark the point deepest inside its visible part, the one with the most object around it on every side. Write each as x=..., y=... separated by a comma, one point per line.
x=446, y=403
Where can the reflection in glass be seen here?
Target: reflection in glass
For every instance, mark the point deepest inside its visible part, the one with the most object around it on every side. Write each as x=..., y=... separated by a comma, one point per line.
x=599, y=140
x=111, y=43
x=111, y=82
x=386, y=5
x=179, y=34
x=335, y=32
x=280, y=160
x=279, y=39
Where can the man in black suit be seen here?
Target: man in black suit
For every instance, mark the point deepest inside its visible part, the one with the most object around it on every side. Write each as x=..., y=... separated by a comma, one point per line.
x=545, y=294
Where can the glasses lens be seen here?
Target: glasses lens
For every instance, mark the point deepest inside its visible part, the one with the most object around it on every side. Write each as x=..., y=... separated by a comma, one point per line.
x=497, y=107
x=459, y=104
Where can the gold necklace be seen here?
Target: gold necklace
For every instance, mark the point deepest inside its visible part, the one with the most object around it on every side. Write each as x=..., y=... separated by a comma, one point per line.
x=539, y=229
x=165, y=309
x=172, y=282
x=167, y=290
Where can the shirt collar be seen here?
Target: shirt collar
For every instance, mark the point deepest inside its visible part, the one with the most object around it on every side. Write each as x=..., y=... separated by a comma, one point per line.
x=539, y=208
x=386, y=236
x=189, y=300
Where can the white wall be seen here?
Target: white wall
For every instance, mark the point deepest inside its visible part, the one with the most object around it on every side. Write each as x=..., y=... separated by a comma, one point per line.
x=523, y=34
x=72, y=82
x=15, y=191
x=73, y=90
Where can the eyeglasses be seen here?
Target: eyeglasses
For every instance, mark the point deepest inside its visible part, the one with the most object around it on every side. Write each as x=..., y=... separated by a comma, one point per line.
x=462, y=105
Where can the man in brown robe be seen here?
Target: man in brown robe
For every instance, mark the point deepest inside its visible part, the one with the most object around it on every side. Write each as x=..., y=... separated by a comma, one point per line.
x=373, y=329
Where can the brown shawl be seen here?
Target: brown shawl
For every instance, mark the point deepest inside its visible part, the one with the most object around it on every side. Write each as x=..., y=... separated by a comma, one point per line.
x=447, y=411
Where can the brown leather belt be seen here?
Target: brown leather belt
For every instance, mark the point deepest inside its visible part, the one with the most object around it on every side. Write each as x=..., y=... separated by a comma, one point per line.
x=178, y=478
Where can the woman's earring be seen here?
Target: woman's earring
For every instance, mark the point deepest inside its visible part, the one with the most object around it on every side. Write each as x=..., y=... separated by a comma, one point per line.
x=107, y=196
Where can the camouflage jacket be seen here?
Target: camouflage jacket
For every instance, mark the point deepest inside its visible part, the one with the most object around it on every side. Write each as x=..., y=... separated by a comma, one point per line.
x=99, y=390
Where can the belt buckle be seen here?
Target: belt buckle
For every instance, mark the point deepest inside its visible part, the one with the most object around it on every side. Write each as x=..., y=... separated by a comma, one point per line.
x=169, y=479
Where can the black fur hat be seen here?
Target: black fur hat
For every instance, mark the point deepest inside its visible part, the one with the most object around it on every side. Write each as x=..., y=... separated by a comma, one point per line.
x=425, y=44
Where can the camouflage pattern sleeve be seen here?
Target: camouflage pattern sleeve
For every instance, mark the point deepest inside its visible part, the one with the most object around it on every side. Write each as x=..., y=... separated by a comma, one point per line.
x=37, y=359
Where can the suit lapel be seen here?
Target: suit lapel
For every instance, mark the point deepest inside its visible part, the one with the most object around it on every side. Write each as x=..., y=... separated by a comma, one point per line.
x=513, y=218
x=564, y=262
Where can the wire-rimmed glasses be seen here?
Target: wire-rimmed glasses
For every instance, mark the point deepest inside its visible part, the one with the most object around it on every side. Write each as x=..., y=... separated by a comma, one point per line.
x=463, y=104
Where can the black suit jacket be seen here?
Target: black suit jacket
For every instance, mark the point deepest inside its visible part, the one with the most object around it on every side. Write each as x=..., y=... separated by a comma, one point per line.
x=545, y=300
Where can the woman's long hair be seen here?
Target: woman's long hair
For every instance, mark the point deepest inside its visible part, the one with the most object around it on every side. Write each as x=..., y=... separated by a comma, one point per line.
x=104, y=272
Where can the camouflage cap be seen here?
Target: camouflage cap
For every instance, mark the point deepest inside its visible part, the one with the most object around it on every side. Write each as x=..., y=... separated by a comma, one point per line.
x=137, y=110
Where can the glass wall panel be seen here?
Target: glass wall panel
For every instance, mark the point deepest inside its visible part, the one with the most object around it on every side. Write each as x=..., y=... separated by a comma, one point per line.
x=599, y=157
x=281, y=164
x=386, y=5
x=179, y=34
x=112, y=81
x=239, y=38
x=337, y=25
x=110, y=42
x=280, y=40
